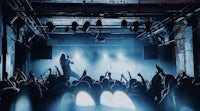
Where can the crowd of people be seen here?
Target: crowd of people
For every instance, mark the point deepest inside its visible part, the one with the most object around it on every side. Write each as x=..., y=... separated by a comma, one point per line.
x=164, y=92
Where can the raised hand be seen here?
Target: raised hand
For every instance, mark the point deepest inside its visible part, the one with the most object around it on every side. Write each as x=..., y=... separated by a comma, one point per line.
x=129, y=74
x=139, y=74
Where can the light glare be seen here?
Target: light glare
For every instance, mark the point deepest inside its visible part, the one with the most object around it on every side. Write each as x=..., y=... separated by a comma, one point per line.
x=84, y=99
x=120, y=56
x=67, y=101
x=123, y=100
x=23, y=104
x=77, y=55
x=107, y=99
x=105, y=55
x=117, y=100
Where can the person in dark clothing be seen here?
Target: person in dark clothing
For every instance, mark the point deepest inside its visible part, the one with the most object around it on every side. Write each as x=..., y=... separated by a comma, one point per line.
x=157, y=84
x=65, y=64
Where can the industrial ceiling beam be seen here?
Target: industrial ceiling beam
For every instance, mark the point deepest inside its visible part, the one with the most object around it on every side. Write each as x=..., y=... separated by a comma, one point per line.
x=183, y=13
x=29, y=21
x=36, y=19
x=91, y=9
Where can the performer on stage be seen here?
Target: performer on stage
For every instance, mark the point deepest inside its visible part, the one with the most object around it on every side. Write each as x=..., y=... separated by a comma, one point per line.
x=65, y=64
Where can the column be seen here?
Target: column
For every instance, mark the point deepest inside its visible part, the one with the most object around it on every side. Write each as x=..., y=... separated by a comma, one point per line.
x=184, y=48
x=189, y=51
x=179, y=36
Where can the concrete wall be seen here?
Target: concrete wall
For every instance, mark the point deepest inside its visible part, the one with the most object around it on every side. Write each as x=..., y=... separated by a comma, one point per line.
x=184, y=48
x=10, y=50
x=189, y=51
x=179, y=36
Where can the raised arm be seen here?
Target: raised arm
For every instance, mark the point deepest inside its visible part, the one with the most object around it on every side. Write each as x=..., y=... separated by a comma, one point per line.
x=42, y=79
x=7, y=80
x=106, y=74
x=122, y=77
x=159, y=69
x=109, y=75
x=21, y=74
x=84, y=74
x=129, y=74
x=143, y=81
x=71, y=62
x=59, y=73
x=32, y=77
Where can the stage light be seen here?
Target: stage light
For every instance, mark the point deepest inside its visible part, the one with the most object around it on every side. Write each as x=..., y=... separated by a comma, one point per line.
x=77, y=55
x=50, y=26
x=135, y=26
x=84, y=99
x=148, y=26
x=99, y=23
x=123, y=100
x=117, y=100
x=67, y=102
x=120, y=56
x=124, y=24
x=67, y=98
x=74, y=26
x=107, y=98
x=86, y=26
x=23, y=104
x=105, y=55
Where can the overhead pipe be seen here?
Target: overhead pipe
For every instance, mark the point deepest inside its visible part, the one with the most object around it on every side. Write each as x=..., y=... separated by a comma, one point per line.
x=165, y=21
x=37, y=19
x=22, y=16
x=26, y=18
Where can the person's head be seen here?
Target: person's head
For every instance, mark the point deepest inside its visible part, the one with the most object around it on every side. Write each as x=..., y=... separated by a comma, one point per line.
x=105, y=82
x=62, y=56
x=85, y=71
x=109, y=74
x=101, y=78
x=12, y=79
x=87, y=79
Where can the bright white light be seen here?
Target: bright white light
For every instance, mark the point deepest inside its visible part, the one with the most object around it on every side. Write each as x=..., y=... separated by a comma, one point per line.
x=67, y=98
x=120, y=56
x=123, y=100
x=107, y=98
x=105, y=55
x=67, y=101
x=77, y=55
x=23, y=104
x=117, y=100
x=84, y=99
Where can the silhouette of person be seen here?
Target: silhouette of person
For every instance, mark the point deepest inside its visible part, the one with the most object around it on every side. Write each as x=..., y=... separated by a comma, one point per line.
x=65, y=64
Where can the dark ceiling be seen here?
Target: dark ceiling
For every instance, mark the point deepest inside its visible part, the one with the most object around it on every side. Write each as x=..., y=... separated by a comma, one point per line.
x=36, y=13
